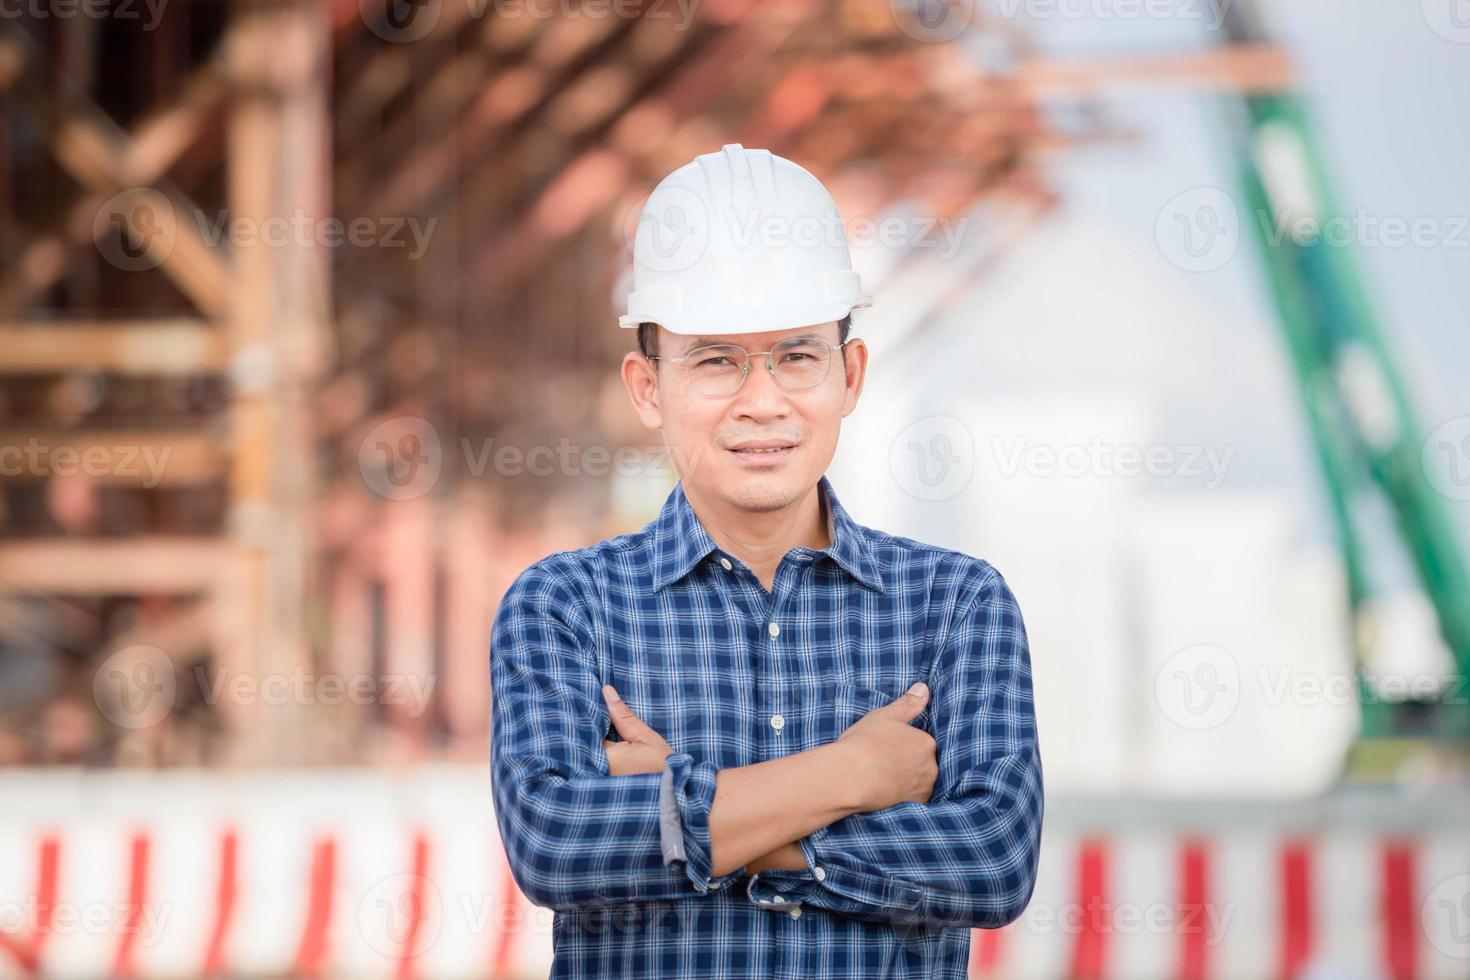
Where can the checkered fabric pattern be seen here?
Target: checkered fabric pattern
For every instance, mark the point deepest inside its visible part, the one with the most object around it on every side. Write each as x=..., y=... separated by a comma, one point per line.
x=731, y=675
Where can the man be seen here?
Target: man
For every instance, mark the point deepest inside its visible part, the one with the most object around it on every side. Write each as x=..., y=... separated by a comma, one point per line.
x=826, y=761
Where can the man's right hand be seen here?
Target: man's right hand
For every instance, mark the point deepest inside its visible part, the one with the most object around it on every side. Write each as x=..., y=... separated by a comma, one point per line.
x=892, y=760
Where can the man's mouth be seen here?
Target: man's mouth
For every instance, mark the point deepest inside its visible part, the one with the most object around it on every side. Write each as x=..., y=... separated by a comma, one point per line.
x=766, y=450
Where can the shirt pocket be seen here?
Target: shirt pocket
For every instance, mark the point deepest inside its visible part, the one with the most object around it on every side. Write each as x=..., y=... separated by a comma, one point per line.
x=850, y=702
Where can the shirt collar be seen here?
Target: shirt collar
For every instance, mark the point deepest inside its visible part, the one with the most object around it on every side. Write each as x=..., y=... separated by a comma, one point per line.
x=680, y=541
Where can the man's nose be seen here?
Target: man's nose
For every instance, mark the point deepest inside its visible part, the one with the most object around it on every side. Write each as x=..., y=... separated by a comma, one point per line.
x=761, y=396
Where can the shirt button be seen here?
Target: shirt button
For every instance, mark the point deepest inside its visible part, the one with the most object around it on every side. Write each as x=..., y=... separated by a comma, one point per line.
x=796, y=913
x=777, y=722
x=821, y=874
x=778, y=899
x=725, y=564
x=774, y=630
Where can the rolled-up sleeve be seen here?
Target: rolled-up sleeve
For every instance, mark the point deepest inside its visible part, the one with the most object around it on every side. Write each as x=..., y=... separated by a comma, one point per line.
x=574, y=835
x=969, y=856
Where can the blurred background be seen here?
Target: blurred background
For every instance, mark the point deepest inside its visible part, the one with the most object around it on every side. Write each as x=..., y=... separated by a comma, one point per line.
x=308, y=347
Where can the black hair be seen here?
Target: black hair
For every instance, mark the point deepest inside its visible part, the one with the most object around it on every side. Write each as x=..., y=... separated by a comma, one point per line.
x=648, y=336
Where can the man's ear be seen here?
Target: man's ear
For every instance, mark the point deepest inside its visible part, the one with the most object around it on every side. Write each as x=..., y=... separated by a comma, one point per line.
x=640, y=377
x=856, y=366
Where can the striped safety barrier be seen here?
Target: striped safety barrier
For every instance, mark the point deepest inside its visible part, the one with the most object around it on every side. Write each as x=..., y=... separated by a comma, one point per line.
x=368, y=873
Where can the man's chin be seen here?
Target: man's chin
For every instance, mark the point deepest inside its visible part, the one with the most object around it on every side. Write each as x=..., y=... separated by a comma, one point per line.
x=761, y=494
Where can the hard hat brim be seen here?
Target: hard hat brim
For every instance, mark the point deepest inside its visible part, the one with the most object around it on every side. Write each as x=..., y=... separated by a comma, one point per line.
x=749, y=321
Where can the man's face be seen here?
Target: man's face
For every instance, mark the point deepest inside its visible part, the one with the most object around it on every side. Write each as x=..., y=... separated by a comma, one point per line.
x=761, y=448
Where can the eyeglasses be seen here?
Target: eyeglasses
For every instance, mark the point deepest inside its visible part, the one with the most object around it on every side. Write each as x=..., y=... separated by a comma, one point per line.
x=720, y=369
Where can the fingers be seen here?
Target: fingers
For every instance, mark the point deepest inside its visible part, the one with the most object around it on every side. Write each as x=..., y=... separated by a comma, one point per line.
x=910, y=704
x=629, y=725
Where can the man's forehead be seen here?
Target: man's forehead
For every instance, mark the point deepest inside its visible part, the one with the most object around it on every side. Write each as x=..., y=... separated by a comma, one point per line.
x=755, y=341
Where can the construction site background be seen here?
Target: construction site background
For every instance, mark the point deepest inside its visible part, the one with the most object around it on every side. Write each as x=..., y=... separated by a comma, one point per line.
x=308, y=347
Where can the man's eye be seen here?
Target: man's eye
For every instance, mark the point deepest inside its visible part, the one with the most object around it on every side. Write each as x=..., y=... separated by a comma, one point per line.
x=716, y=361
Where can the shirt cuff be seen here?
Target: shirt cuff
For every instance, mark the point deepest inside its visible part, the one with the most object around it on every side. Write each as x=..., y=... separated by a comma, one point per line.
x=830, y=883
x=670, y=826
x=686, y=792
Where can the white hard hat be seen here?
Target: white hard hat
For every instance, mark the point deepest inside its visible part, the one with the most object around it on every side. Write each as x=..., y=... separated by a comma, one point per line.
x=741, y=241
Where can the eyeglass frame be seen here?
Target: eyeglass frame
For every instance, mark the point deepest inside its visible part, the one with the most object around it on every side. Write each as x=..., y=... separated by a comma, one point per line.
x=770, y=362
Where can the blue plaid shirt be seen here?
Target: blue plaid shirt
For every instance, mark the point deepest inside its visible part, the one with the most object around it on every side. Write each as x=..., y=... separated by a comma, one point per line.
x=730, y=675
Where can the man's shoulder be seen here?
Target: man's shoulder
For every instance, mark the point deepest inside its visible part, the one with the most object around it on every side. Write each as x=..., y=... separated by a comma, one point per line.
x=902, y=557
x=577, y=571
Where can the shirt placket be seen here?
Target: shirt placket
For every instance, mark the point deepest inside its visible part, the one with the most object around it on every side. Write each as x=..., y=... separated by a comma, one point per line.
x=781, y=664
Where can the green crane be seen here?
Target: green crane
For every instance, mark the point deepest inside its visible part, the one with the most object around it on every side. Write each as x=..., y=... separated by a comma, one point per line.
x=1367, y=437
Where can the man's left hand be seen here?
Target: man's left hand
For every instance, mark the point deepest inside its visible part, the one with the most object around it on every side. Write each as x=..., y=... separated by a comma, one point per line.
x=642, y=749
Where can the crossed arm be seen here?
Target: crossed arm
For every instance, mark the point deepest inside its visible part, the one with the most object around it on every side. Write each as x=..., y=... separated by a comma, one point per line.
x=578, y=836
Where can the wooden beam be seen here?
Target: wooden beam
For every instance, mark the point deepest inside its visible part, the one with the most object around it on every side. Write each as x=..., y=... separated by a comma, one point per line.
x=131, y=566
x=107, y=160
x=164, y=346
x=1242, y=68
x=132, y=457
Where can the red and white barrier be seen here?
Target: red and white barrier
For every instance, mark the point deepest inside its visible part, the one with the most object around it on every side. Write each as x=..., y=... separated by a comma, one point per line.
x=374, y=874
